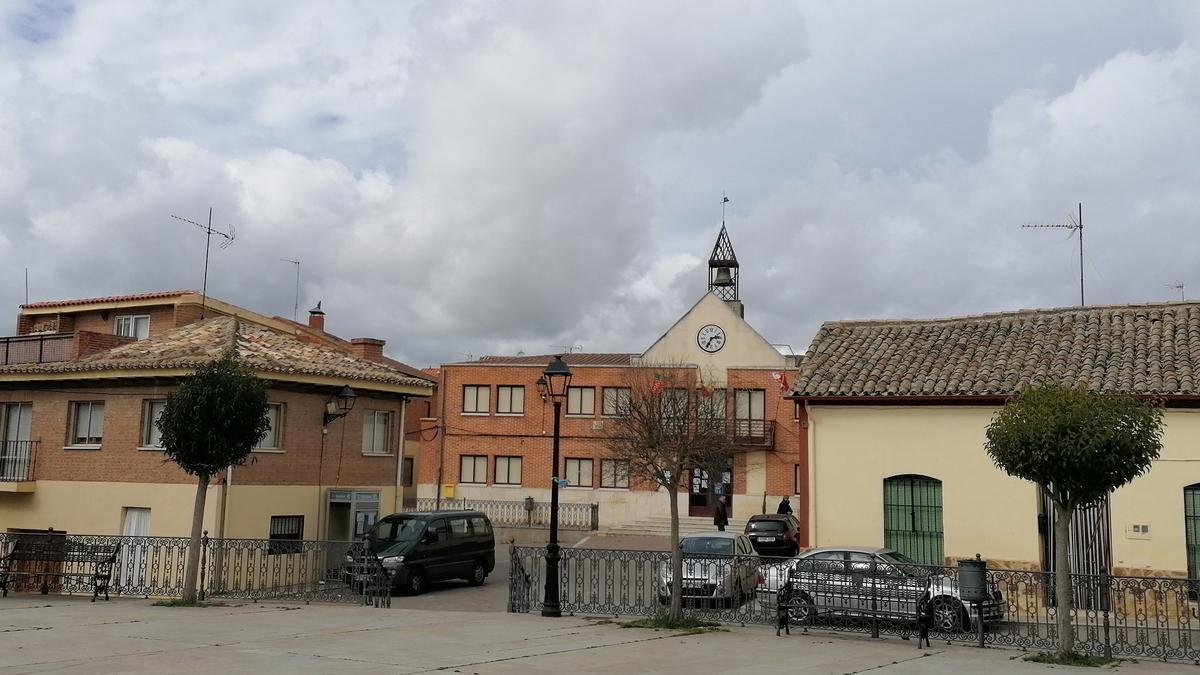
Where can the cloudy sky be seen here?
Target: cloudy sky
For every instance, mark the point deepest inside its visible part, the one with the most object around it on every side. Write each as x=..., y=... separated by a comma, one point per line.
x=466, y=178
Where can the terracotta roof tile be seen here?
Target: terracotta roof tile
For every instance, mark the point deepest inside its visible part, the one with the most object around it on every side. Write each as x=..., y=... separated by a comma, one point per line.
x=265, y=350
x=108, y=298
x=1143, y=349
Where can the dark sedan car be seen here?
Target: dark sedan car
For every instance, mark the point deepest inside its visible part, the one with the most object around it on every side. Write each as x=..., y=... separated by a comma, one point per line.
x=774, y=534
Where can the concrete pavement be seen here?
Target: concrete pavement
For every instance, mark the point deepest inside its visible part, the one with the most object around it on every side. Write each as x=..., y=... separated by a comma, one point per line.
x=71, y=635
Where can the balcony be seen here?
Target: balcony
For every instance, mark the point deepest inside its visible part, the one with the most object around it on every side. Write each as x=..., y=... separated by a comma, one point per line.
x=16, y=466
x=747, y=434
x=36, y=348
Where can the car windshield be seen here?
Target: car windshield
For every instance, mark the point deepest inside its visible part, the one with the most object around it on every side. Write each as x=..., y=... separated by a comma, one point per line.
x=707, y=546
x=397, y=528
x=765, y=526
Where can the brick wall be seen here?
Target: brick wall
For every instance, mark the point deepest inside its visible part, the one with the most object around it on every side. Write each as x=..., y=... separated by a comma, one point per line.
x=162, y=319
x=86, y=342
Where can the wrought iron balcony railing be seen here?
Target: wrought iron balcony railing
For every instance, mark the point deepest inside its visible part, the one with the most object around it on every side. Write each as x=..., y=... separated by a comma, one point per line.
x=16, y=460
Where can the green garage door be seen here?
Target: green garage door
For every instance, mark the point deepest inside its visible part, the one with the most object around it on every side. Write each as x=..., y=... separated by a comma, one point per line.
x=912, y=517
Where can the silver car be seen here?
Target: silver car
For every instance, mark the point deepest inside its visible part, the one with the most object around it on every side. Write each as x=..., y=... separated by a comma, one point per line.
x=720, y=567
x=861, y=581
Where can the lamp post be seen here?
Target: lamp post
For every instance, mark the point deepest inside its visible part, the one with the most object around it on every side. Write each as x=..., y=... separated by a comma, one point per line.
x=553, y=383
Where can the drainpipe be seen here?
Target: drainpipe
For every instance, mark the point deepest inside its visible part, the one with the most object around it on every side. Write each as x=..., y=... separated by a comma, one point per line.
x=400, y=457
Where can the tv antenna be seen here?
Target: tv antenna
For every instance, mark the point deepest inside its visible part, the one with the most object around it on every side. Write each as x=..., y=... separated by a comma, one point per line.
x=1178, y=286
x=209, y=232
x=295, y=307
x=1073, y=225
x=567, y=349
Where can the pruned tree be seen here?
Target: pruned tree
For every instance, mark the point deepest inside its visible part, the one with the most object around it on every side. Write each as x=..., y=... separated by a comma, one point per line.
x=1079, y=447
x=210, y=422
x=668, y=423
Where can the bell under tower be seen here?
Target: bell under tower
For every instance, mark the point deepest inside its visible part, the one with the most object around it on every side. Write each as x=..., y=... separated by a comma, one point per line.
x=723, y=269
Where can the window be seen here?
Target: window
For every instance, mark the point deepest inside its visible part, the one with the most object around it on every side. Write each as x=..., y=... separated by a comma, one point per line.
x=712, y=406
x=912, y=517
x=406, y=472
x=616, y=402
x=270, y=440
x=614, y=473
x=675, y=406
x=475, y=399
x=460, y=528
x=508, y=471
x=285, y=536
x=17, y=451
x=510, y=400
x=480, y=525
x=581, y=400
x=88, y=423
x=749, y=412
x=1191, y=525
x=132, y=326
x=798, y=479
x=151, y=436
x=377, y=427
x=472, y=469
x=579, y=472
x=439, y=529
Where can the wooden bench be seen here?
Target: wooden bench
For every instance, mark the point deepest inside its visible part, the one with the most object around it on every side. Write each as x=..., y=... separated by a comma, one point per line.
x=47, y=556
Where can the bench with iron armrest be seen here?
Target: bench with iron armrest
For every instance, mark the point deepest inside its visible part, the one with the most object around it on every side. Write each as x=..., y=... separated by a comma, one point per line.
x=49, y=557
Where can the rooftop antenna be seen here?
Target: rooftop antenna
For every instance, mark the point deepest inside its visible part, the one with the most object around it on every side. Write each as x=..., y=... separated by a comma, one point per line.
x=27, y=285
x=295, y=307
x=209, y=231
x=1073, y=225
x=1178, y=286
x=567, y=349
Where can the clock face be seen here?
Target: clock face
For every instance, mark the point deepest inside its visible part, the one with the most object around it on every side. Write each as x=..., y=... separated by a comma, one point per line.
x=711, y=338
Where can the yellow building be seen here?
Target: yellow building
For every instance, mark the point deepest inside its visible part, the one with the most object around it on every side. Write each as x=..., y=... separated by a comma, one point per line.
x=897, y=413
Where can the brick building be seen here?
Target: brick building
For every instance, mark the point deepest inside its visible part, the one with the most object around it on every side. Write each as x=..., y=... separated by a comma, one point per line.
x=491, y=435
x=83, y=380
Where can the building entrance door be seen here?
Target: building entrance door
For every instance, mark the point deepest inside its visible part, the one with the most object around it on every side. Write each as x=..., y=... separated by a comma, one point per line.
x=351, y=514
x=703, y=493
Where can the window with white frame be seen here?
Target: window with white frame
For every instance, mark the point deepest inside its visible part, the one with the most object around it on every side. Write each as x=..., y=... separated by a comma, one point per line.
x=579, y=472
x=508, y=471
x=270, y=439
x=616, y=402
x=510, y=400
x=377, y=427
x=132, y=326
x=472, y=469
x=614, y=473
x=87, y=424
x=151, y=411
x=581, y=400
x=475, y=399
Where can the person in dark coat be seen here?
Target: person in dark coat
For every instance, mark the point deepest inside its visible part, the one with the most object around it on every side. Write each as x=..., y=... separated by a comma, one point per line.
x=721, y=515
x=785, y=506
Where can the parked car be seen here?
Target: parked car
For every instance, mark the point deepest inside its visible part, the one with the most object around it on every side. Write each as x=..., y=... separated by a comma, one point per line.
x=720, y=567
x=420, y=547
x=774, y=534
x=849, y=580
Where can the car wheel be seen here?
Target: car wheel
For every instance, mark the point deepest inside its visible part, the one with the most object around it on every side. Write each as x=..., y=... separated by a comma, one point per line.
x=478, y=574
x=949, y=615
x=416, y=582
x=804, y=612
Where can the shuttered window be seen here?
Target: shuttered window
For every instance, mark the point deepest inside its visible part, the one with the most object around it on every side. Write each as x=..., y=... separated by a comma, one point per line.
x=1191, y=523
x=912, y=517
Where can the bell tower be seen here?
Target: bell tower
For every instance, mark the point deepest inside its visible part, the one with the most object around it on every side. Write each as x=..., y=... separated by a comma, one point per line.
x=723, y=269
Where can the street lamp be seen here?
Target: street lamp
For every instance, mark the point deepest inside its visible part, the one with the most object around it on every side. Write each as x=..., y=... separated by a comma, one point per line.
x=338, y=405
x=553, y=383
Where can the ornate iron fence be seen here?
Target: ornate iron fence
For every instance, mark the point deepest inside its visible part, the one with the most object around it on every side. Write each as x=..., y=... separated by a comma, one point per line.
x=1141, y=617
x=17, y=460
x=523, y=513
x=249, y=569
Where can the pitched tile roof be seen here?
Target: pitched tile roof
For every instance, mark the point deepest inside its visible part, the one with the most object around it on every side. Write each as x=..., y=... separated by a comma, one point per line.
x=267, y=351
x=157, y=295
x=574, y=359
x=1142, y=349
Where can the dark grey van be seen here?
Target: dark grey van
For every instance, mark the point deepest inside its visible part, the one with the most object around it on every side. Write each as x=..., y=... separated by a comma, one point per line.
x=420, y=547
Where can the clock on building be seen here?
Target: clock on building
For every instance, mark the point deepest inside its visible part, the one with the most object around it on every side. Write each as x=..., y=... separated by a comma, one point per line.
x=711, y=338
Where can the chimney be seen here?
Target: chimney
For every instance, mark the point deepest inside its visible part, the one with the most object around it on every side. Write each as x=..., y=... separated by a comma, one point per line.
x=316, y=318
x=370, y=349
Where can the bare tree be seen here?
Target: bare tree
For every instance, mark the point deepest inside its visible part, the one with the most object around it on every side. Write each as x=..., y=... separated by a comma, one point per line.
x=667, y=422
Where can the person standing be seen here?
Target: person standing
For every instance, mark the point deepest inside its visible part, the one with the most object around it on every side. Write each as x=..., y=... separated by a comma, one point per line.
x=721, y=514
x=785, y=506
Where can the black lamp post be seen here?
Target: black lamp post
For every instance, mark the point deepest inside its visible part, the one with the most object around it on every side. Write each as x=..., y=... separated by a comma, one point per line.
x=553, y=383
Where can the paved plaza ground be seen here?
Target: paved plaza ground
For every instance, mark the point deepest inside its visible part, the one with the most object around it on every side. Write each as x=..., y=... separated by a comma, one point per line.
x=69, y=634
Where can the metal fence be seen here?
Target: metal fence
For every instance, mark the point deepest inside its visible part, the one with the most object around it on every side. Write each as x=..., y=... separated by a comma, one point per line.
x=17, y=460
x=523, y=513
x=248, y=569
x=1140, y=617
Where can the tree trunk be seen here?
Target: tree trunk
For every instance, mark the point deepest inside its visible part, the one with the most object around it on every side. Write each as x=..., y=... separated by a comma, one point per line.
x=192, y=571
x=1062, y=577
x=676, y=612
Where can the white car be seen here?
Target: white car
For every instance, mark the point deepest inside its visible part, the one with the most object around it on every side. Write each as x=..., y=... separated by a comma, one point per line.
x=720, y=567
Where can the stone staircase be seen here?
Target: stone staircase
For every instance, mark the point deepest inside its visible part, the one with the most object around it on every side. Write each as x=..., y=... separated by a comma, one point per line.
x=660, y=526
